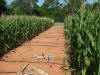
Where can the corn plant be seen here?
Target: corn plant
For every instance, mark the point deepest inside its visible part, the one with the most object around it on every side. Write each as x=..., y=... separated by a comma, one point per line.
x=82, y=31
x=15, y=30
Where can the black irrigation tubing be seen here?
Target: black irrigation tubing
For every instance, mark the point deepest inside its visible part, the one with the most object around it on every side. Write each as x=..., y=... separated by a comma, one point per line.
x=33, y=62
x=46, y=42
x=48, y=45
x=51, y=34
x=8, y=72
x=50, y=37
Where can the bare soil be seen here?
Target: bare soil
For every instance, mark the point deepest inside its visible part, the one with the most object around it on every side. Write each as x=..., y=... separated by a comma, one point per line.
x=50, y=42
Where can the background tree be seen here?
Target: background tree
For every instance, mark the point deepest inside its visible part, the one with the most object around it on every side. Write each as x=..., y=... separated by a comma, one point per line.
x=99, y=2
x=50, y=8
x=24, y=6
x=73, y=5
x=53, y=9
x=2, y=6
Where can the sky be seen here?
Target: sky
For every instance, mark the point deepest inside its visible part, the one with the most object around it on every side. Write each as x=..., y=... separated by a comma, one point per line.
x=41, y=1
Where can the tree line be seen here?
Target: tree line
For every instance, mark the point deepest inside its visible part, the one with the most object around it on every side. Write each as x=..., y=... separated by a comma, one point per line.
x=50, y=8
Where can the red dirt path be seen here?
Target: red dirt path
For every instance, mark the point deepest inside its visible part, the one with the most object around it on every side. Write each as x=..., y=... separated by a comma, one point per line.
x=50, y=42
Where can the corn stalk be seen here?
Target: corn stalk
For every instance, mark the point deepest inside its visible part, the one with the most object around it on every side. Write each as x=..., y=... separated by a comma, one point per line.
x=82, y=32
x=15, y=30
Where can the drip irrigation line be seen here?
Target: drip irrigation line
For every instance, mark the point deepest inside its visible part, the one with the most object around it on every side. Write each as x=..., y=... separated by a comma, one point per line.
x=46, y=42
x=34, y=62
x=48, y=45
x=8, y=72
x=50, y=37
x=55, y=33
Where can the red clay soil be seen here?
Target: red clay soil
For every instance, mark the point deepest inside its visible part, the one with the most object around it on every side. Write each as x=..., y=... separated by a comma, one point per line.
x=50, y=42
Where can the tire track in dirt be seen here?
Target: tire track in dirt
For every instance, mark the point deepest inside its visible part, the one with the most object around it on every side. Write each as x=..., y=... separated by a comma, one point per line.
x=50, y=42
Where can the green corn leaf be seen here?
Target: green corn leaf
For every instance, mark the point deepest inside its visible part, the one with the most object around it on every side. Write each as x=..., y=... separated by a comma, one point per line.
x=6, y=45
x=87, y=61
x=98, y=46
x=67, y=63
x=67, y=49
x=69, y=70
x=65, y=57
x=84, y=52
x=88, y=49
x=90, y=37
x=80, y=38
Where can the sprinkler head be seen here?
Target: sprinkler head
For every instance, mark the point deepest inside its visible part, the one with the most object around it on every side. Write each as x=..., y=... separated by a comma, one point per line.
x=48, y=58
x=42, y=54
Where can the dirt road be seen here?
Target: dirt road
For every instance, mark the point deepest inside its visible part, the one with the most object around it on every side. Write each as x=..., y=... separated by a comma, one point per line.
x=44, y=53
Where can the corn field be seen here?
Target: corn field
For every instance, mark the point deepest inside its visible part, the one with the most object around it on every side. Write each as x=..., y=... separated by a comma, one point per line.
x=15, y=30
x=82, y=31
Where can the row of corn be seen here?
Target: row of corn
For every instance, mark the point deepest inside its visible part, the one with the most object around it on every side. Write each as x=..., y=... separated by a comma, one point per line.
x=15, y=30
x=82, y=31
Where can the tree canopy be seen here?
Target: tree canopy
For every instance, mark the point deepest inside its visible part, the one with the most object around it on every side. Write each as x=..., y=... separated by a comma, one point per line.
x=50, y=8
x=2, y=6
